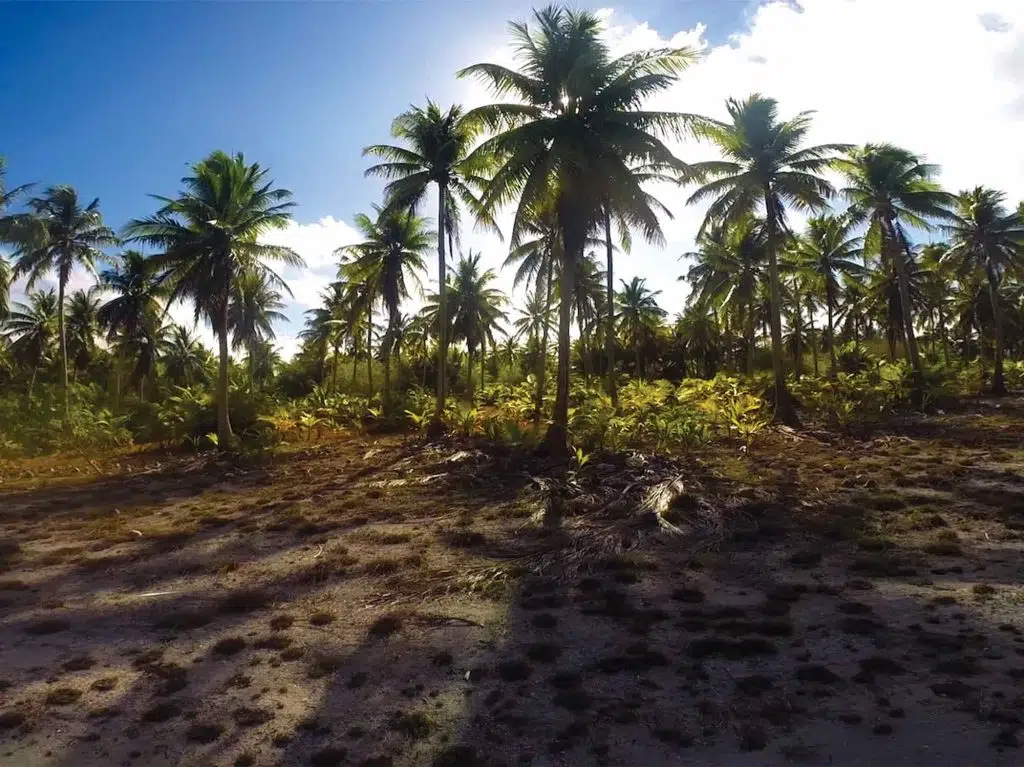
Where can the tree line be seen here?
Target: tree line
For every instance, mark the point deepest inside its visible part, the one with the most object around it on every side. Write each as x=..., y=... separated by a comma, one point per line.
x=571, y=147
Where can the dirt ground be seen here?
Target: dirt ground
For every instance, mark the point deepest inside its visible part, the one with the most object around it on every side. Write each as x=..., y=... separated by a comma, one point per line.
x=815, y=600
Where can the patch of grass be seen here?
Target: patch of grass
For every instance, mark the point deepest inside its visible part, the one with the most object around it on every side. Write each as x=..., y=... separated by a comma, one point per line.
x=882, y=565
x=329, y=756
x=10, y=719
x=104, y=684
x=861, y=626
x=79, y=663
x=457, y=756
x=229, y=646
x=982, y=590
x=688, y=595
x=62, y=696
x=251, y=717
x=730, y=649
x=543, y=652
x=754, y=685
x=324, y=664
x=183, y=620
x=321, y=618
x=246, y=601
x=805, y=559
x=958, y=667
x=46, y=626
x=392, y=565
x=854, y=608
x=275, y=642
x=385, y=626
x=572, y=700
x=514, y=670
x=768, y=628
x=880, y=664
x=544, y=621
x=415, y=725
x=281, y=622
x=815, y=673
x=161, y=712
x=204, y=732
x=464, y=539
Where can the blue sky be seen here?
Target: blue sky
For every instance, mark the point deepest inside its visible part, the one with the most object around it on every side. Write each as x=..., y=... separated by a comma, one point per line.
x=117, y=98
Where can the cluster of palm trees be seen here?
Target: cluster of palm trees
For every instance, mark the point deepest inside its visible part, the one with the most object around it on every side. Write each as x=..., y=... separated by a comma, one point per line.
x=572, y=148
x=209, y=252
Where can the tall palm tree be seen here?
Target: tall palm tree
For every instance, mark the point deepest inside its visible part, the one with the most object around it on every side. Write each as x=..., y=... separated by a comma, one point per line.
x=765, y=168
x=390, y=257
x=184, y=356
x=437, y=151
x=699, y=329
x=829, y=251
x=83, y=308
x=729, y=267
x=32, y=329
x=11, y=231
x=639, y=316
x=63, y=235
x=139, y=294
x=575, y=127
x=986, y=237
x=935, y=291
x=476, y=310
x=254, y=307
x=588, y=302
x=209, y=235
x=891, y=188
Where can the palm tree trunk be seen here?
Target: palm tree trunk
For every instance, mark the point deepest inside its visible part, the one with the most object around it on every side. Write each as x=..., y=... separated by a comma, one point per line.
x=609, y=330
x=223, y=417
x=584, y=361
x=832, y=342
x=63, y=346
x=543, y=370
x=355, y=369
x=483, y=361
x=998, y=383
x=436, y=427
x=784, y=410
x=556, y=439
x=814, y=337
x=901, y=249
x=32, y=381
x=469, y=372
x=369, y=354
x=942, y=338
x=334, y=370
x=798, y=361
x=636, y=361
x=750, y=339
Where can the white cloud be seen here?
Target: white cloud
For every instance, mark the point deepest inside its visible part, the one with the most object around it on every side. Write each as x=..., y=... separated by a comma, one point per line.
x=944, y=79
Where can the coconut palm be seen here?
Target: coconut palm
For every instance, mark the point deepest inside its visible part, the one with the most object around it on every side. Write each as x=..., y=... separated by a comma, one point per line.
x=254, y=307
x=390, y=258
x=139, y=295
x=891, y=188
x=209, y=235
x=935, y=291
x=729, y=267
x=988, y=238
x=575, y=129
x=436, y=152
x=765, y=169
x=829, y=251
x=638, y=317
x=476, y=310
x=63, y=234
x=184, y=357
x=83, y=308
x=698, y=328
x=11, y=230
x=32, y=330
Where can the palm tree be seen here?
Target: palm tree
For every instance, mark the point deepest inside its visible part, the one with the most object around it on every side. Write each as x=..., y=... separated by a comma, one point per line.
x=82, y=325
x=185, y=358
x=986, y=237
x=11, y=230
x=576, y=131
x=476, y=310
x=209, y=236
x=935, y=291
x=389, y=258
x=765, y=169
x=698, y=328
x=827, y=250
x=639, y=316
x=436, y=152
x=588, y=302
x=32, y=328
x=890, y=188
x=63, y=235
x=728, y=269
x=138, y=295
x=263, y=360
x=253, y=309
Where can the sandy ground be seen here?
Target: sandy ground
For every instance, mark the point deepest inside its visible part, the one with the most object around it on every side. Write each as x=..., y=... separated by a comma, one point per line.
x=828, y=601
